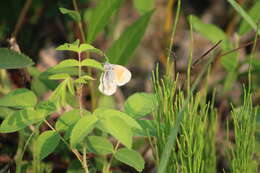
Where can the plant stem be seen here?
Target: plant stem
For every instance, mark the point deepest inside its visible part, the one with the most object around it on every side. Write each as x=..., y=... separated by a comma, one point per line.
x=190, y=57
x=250, y=61
x=110, y=161
x=85, y=165
x=83, y=38
x=21, y=17
x=84, y=160
x=80, y=25
x=80, y=88
x=19, y=154
x=36, y=161
x=20, y=157
x=77, y=154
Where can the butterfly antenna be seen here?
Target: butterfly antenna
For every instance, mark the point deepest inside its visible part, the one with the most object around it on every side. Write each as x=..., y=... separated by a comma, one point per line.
x=105, y=56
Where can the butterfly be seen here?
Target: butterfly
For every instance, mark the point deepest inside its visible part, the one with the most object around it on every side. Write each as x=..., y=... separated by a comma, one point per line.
x=113, y=76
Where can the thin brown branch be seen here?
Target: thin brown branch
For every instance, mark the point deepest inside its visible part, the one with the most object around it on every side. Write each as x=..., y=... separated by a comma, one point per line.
x=21, y=17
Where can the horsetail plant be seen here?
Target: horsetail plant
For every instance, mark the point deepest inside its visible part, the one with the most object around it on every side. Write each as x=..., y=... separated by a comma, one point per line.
x=244, y=120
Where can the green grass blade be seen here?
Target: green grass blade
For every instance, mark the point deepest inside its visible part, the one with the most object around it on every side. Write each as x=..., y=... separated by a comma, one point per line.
x=100, y=16
x=243, y=14
x=122, y=49
x=254, y=14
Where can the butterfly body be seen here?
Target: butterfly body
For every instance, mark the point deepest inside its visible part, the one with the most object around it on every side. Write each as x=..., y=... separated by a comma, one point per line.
x=114, y=75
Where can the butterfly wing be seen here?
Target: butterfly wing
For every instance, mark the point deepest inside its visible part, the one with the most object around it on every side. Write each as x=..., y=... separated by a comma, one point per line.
x=122, y=75
x=107, y=83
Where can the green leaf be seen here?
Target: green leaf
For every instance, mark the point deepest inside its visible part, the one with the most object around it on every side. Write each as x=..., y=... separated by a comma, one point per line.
x=106, y=102
x=230, y=62
x=244, y=15
x=84, y=79
x=68, y=47
x=255, y=63
x=140, y=104
x=209, y=31
x=84, y=126
x=87, y=77
x=38, y=87
x=69, y=119
x=67, y=63
x=58, y=96
x=10, y=59
x=46, y=143
x=144, y=6
x=4, y=112
x=75, y=47
x=104, y=113
x=19, y=98
x=99, y=145
x=100, y=16
x=20, y=119
x=92, y=63
x=148, y=128
x=255, y=16
x=89, y=48
x=48, y=106
x=229, y=81
x=131, y=158
x=115, y=123
x=122, y=49
x=70, y=85
x=214, y=34
x=75, y=167
x=81, y=81
x=72, y=13
x=44, y=76
x=59, y=76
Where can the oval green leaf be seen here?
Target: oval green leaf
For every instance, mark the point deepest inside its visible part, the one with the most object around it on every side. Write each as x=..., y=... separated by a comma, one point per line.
x=19, y=98
x=68, y=47
x=99, y=145
x=20, y=119
x=103, y=113
x=67, y=63
x=68, y=119
x=87, y=77
x=84, y=126
x=89, y=48
x=47, y=106
x=46, y=143
x=59, y=76
x=115, y=125
x=144, y=6
x=131, y=158
x=72, y=13
x=140, y=104
x=4, y=112
x=92, y=63
x=10, y=59
x=209, y=31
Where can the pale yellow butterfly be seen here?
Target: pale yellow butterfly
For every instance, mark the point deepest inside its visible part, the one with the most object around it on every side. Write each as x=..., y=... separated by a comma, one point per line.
x=114, y=75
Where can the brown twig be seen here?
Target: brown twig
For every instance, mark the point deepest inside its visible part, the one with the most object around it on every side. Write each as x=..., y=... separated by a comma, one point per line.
x=205, y=54
x=21, y=17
